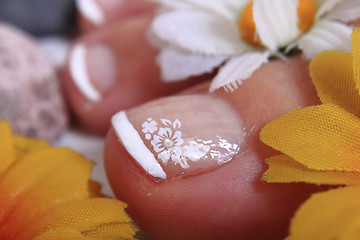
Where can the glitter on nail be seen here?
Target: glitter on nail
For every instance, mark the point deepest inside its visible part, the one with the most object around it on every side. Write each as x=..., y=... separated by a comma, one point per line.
x=168, y=143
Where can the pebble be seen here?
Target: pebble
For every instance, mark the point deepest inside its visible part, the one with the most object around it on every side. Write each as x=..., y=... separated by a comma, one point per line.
x=30, y=94
x=39, y=17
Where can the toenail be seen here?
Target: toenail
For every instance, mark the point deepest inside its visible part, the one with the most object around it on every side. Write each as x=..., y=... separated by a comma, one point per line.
x=181, y=136
x=93, y=70
x=91, y=11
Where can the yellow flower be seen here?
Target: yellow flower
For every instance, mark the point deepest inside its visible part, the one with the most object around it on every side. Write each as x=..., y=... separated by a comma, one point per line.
x=45, y=193
x=321, y=144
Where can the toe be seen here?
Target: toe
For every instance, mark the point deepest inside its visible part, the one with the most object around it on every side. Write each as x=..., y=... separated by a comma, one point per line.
x=217, y=194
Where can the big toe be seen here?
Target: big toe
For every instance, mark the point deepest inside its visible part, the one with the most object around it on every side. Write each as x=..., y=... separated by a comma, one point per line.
x=190, y=165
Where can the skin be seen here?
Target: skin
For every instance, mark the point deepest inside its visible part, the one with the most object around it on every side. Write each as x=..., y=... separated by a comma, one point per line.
x=230, y=202
x=235, y=204
x=138, y=79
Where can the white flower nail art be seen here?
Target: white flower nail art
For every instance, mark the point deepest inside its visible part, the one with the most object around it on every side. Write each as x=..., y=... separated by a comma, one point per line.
x=149, y=126
x=166, y=139
x=194, y=151
x=168, y=143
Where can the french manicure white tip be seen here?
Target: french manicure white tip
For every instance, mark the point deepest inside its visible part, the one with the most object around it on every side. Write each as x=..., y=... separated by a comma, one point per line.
x=91, y=11
x=135, y=145
x=79, y=73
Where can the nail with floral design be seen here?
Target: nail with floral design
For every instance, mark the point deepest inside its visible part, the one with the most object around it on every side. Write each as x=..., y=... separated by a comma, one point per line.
x=181, y=136
x=149, y=126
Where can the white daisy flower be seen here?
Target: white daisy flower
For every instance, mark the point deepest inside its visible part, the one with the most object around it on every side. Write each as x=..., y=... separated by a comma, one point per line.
x=149, y=126
x=198, y=36
x=166, y=143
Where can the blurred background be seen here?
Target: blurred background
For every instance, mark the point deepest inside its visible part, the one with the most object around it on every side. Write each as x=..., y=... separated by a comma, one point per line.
x=50, y=26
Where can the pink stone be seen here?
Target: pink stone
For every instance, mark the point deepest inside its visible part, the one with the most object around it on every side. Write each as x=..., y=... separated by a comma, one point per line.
x=30, y=94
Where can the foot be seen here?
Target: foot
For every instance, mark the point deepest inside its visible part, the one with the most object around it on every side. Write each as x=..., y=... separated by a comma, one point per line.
x=214, y=191
x=114, y=68
x=204, y=180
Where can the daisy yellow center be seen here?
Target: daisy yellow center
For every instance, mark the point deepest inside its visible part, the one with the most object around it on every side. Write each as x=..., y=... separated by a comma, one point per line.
x=306, y=12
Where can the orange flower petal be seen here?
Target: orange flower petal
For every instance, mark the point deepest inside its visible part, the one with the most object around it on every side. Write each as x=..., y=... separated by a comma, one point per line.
x=96, y=218
x=317, y=137
x=45, y=194
x=283, y=169
x=39, y=182
x=332, y=75
x=329, y=215
x=6, y=147
x=355, y=49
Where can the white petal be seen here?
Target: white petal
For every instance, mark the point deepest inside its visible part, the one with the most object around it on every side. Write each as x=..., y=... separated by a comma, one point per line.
x=346, y=11
x=229, y=9
x=178, y=65
x=326, y=35
x=176, y=124
x=173, y=4
x=166, y=122
x=164, y=156
x=157, y=143
x=199, y=32
x=177, y=138
x=153, y=40
x=165, y=132
x=176, y=156
x=325, y=6
x=237, y=69
x=276, y=22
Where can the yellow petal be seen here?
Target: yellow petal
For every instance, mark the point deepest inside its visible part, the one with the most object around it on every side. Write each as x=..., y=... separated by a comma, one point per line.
x=355, y=49
x=324, y=137
x=94, y=218
x=65, y=233
x=94, y=189
x=24, y=145
x=6, y=147
x=332, y=75
x=45, y=194
x=39, y=182
x=112, y=230
x=283, y=169
x=327, y=216
x=69, y=233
